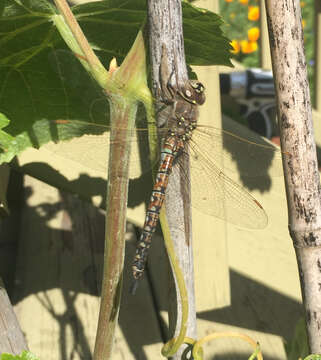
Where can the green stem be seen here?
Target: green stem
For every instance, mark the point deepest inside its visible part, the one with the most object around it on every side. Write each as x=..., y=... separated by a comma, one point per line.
x=124, y=86
x=130, y=84
x=171, y=347
x=78, y=43
x=122, y=112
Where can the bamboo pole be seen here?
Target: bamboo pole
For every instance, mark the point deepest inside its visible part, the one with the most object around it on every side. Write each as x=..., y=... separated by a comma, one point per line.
x=299, y=153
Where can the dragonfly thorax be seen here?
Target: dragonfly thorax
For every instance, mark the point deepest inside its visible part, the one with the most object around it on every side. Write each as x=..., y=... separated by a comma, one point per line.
x=182, y=128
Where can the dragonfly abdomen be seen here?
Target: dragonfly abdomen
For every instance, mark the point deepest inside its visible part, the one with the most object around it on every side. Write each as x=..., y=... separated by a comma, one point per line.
x=154, y=207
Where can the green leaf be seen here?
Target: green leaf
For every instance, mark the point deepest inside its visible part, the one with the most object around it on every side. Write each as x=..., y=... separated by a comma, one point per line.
x=41, y=82
x=298, y=347
x=198, y=25
x=25, y=355
x=5, y=139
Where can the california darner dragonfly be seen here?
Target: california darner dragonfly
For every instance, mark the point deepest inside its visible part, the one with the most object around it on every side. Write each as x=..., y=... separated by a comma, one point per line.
x=213, y=192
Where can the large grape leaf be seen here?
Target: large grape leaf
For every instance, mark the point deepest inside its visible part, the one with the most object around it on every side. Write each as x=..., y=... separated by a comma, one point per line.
x=40, y=82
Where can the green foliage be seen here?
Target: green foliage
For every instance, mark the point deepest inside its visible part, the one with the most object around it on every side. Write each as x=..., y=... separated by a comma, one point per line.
x=42, y=83
x=236, y=26
x=25, y=355
x=298, y=346
x=235, y=17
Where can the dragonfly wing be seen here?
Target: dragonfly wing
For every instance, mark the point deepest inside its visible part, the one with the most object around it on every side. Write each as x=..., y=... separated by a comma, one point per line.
x=253, y=155
x=216, y=194
x=92, y=150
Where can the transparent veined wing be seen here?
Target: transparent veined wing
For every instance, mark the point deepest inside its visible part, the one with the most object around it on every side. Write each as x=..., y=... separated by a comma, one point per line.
x=216, y=194
x=92, y=149
x=213, y=191
x=252, y=155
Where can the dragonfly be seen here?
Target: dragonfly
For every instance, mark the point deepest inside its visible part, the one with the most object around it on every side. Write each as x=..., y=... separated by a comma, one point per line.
x=213, y=192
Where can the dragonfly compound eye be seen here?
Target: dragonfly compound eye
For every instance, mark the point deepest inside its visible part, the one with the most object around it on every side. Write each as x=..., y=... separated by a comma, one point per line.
x=198, y=86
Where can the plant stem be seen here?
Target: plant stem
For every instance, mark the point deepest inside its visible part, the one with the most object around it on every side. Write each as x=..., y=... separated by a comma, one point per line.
x=131, y=80
x=299, y=153
x=124, y=86
x=90, y=58
x=122, y=114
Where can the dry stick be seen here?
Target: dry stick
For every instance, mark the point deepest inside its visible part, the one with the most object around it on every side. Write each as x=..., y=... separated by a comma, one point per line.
x=300, y=166
x=165, y=27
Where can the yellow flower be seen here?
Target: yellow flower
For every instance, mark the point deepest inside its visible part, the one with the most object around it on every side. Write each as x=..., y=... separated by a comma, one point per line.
x=303, y=23
x=302, y=3
x=248, y=47
x=254, y=45
x=253, y=34
x=228, y=0
x=253, y=13
x=244, y=2
x=236, y=47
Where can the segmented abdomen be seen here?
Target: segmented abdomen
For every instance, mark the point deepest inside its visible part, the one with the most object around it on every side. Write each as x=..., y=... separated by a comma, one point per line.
x=168, y=153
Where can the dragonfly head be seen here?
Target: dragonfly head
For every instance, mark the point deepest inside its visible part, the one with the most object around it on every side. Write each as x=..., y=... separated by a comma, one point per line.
x=194, y=92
